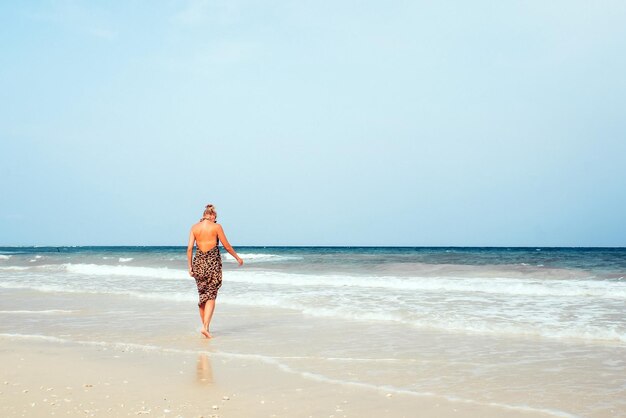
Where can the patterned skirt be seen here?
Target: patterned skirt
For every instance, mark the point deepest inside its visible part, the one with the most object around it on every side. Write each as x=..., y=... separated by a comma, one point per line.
x=206, y=268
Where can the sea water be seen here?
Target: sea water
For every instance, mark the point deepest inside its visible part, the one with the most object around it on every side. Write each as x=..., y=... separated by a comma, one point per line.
x=533, y=328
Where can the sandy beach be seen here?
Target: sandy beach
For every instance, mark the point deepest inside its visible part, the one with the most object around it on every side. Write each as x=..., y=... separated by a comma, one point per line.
x=46, y=378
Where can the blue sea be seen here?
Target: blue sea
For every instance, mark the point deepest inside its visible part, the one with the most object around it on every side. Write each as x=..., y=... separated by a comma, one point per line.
x=537, y=329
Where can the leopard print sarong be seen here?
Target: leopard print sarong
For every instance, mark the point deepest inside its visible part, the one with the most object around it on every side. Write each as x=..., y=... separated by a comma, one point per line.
x=206, y=268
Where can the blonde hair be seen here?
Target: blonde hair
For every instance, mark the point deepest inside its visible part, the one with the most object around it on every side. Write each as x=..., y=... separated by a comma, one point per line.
x=209, y=210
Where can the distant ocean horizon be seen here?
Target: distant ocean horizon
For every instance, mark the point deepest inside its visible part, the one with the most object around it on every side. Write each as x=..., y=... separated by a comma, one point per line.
x=329, y=246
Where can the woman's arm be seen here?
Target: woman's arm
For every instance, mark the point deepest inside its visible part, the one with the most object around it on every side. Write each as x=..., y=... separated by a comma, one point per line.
x=226, y=244
x=192, y=241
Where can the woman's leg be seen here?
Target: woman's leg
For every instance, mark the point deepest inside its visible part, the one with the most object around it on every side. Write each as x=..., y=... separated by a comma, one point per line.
x=202, y=313
x=209, y=307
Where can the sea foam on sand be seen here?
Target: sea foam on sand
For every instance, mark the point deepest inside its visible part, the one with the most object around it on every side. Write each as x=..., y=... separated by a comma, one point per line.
x=41, y=379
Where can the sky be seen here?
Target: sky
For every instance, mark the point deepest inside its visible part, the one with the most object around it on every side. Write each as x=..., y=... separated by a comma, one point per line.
x=397, y=123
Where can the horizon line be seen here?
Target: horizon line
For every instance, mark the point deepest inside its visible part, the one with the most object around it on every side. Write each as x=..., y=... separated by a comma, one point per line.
x=327, y=246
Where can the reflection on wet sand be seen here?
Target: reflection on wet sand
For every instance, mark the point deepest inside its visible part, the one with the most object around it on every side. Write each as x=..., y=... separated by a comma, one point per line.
x=204, y=370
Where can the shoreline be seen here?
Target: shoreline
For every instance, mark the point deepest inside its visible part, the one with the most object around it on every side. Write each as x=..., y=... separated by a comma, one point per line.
x=54, y=377
x=379, y=330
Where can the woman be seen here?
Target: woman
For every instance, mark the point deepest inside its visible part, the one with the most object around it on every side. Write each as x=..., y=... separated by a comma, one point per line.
x=206, y=266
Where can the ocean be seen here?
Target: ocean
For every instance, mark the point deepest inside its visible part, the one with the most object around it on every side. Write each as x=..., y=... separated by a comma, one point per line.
x=537, y=329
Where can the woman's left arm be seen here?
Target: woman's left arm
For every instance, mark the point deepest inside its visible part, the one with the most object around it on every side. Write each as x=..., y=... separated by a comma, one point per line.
x=222, y=236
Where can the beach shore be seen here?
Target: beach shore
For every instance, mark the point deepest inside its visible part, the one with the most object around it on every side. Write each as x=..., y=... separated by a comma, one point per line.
x=46, y=378
x=313, y=332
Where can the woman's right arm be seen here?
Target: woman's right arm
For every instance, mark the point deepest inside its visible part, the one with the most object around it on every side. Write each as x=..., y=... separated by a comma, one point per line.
x=226, y=244
x=192, y=241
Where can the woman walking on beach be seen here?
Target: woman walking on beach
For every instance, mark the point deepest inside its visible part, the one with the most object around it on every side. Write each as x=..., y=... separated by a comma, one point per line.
x=206, y=265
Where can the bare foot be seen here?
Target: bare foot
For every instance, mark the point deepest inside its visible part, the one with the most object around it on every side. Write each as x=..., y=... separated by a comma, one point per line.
x=205, y=333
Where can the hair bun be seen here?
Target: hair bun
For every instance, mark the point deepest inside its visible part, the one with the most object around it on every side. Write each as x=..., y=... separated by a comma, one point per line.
x=209, y=210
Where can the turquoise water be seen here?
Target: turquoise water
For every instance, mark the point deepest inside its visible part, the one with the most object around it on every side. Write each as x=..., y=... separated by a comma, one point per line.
x=539, y=292
x=597, y=260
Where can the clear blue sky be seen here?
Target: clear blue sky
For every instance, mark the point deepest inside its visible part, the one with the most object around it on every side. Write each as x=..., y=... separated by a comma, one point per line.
x=314, y=122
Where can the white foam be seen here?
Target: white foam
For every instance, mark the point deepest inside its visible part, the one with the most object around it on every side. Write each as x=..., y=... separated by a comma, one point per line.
x=4, y=257
x=505, y=286
x=40, y=312
x=125, y=260
x=471, y=285
x=523, y=330
x=471, y=325
x=56, y=288
x=493, y=306
x=169, y=296
x=259, y=257
x=563, y=331
x=45, y=288
x=117, y=270
x=33, y=337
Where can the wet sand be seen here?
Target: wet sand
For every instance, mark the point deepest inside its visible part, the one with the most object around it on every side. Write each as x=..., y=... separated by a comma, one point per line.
x=43, y=378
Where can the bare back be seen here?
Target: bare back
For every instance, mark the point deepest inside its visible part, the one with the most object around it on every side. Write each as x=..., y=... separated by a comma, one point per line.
x=205, y=235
